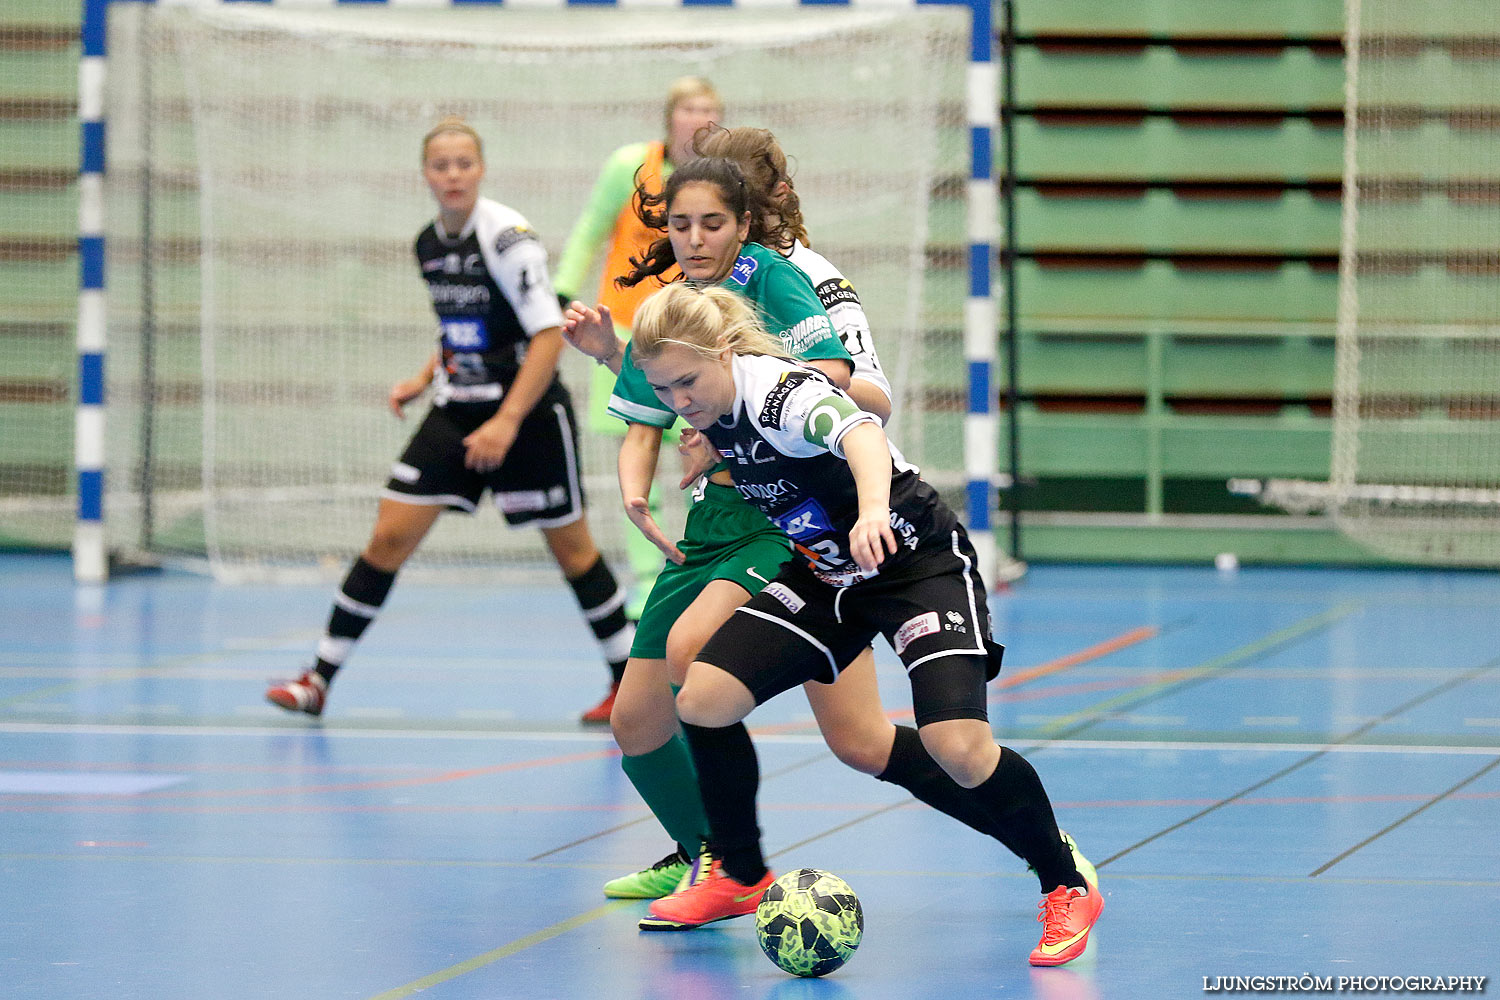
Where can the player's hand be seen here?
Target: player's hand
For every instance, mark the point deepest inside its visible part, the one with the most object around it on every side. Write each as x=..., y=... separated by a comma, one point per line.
x=592, y=331
x=487, y=447
x=699, y=456
x=404, y=392
x=871, y=539
x=639, y=513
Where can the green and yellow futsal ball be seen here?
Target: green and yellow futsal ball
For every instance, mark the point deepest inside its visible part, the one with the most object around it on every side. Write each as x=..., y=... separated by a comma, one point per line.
x=809, y=922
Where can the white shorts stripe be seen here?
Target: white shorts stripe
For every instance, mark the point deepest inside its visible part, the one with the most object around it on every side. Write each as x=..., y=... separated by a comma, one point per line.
x=446, y=500
x=827, y=653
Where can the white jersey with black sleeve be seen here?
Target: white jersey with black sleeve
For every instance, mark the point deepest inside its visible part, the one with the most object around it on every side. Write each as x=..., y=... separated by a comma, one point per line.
x=492, y=293
x=845, y=311
x=783, y=442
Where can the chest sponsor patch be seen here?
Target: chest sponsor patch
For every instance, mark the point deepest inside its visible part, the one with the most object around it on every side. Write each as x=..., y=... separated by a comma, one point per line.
x=786, y=595
x=743, y=268
x=806, y=520
x=914, y=629
x=466, y=335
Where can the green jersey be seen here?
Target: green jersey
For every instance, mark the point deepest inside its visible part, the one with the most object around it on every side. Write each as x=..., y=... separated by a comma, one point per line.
x=787, y=305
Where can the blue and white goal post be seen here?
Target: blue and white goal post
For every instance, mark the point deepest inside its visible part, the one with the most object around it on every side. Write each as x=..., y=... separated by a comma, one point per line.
x=807, y=103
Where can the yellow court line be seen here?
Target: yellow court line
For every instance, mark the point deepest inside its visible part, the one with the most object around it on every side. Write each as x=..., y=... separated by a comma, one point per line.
x=504, y=951
x=1227, y=660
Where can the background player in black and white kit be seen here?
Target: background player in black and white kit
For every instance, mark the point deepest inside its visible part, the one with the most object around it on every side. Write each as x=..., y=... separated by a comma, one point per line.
x=881, y=554
x=500, y=420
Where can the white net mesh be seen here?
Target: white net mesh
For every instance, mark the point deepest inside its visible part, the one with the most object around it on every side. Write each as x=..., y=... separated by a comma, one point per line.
x=265, y=191
x=1416, y=462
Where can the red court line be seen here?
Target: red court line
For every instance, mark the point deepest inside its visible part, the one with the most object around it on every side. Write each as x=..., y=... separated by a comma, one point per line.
x=1094, y=652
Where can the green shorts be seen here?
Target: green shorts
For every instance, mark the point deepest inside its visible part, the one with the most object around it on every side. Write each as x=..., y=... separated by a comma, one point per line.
x=726, y=539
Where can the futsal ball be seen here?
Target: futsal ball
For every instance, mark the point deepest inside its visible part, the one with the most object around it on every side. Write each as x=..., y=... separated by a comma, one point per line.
x=809, y=922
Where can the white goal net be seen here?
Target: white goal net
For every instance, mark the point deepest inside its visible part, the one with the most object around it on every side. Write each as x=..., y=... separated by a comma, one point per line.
x=1416, y=458
x=264, y=191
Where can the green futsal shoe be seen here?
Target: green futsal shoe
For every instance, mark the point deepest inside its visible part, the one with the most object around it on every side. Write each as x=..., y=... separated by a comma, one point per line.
x=1080, y=862
x=653, y=883
x=1085, y=868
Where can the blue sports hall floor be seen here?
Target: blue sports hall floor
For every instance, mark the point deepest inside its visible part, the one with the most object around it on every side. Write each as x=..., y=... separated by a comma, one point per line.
x=1279, y=773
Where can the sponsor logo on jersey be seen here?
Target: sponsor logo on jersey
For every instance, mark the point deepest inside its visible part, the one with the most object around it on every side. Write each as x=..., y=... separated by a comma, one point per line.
x=914, y=629
x=905, y=529
x=465, y=335
x=785, y=595
x=807, y=334
x=434, y=264
x=770, y=413
x=955, y=623
x=766, y=491
x=458, y=296
x=836, y=291
x=806, y=520
x=759, y=453
x=512, y=236
x=743, y=268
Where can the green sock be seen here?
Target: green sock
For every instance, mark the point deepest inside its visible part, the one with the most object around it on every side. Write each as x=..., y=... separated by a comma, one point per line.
x=667, y=781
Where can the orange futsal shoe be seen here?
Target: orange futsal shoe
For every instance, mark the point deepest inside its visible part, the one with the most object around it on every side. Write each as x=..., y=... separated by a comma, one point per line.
x=1067, y=917
x=308, y=693
x=599, y=714
x=704, y=900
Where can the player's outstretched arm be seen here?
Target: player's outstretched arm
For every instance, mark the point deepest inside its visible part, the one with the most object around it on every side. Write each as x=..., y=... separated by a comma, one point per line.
x=637, y=465
x=592, y=331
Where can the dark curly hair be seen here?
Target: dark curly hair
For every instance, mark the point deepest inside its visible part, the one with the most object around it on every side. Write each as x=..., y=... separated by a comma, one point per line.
x=738, y=196
x=764, y=165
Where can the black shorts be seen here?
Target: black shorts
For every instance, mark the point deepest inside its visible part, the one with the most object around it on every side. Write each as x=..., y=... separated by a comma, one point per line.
x=931, y=609
x=537, y=483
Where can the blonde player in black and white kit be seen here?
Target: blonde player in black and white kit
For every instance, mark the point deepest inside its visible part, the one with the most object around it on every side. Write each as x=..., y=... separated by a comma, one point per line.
x=879, y=554
x=500, y=419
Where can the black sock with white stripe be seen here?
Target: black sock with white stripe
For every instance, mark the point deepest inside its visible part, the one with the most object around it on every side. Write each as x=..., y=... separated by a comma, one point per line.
x=602, y=600
x=354, y=608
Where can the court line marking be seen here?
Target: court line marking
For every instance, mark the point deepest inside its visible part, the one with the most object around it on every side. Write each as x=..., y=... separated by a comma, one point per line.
x=1411, y=703
x=1080, y=720
x=789, y=738
x=1420, y=809
x=504, y=951
x=32, y=804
